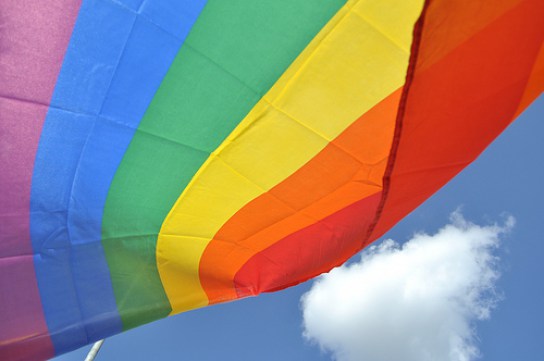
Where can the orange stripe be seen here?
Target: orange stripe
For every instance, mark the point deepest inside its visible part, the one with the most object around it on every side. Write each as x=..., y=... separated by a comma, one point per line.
x=535, y=86
x=349, y=169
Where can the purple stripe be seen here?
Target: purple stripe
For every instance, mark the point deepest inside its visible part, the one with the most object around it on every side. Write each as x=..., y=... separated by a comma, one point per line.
x=33, y=37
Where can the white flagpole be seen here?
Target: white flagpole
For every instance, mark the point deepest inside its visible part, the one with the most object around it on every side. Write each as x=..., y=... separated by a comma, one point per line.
x=94, y=350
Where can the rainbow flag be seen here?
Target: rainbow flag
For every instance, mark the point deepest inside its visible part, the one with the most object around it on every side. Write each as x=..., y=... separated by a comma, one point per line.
x=158, y=156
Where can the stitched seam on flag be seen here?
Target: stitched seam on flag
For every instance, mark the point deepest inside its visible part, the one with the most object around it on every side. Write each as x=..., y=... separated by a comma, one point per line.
x=418, y=31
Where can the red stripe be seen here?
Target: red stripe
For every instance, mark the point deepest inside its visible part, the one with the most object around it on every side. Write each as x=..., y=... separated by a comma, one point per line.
x=308, y=252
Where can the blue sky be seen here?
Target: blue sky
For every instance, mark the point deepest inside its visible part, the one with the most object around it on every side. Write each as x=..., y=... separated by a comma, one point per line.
x=507, y=178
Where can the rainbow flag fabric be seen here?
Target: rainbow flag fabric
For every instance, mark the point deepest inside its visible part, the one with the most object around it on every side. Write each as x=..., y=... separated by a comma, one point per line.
x=158, y=156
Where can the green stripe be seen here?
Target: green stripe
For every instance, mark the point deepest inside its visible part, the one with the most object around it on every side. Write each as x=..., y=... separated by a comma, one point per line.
x=236, y=51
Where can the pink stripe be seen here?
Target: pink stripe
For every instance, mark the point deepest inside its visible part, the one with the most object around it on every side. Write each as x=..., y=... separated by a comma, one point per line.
x=34, y=36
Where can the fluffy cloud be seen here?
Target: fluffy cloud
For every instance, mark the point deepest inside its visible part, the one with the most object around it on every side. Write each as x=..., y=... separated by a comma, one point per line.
x=415, y=302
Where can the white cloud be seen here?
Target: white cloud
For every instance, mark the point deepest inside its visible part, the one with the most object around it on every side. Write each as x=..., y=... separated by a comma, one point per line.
x=415, y=302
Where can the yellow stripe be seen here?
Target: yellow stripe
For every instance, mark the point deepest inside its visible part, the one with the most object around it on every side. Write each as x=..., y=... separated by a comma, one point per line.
x=358, y=59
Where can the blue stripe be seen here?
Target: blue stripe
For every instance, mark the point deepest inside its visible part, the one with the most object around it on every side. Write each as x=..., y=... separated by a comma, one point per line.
x=119, y=52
